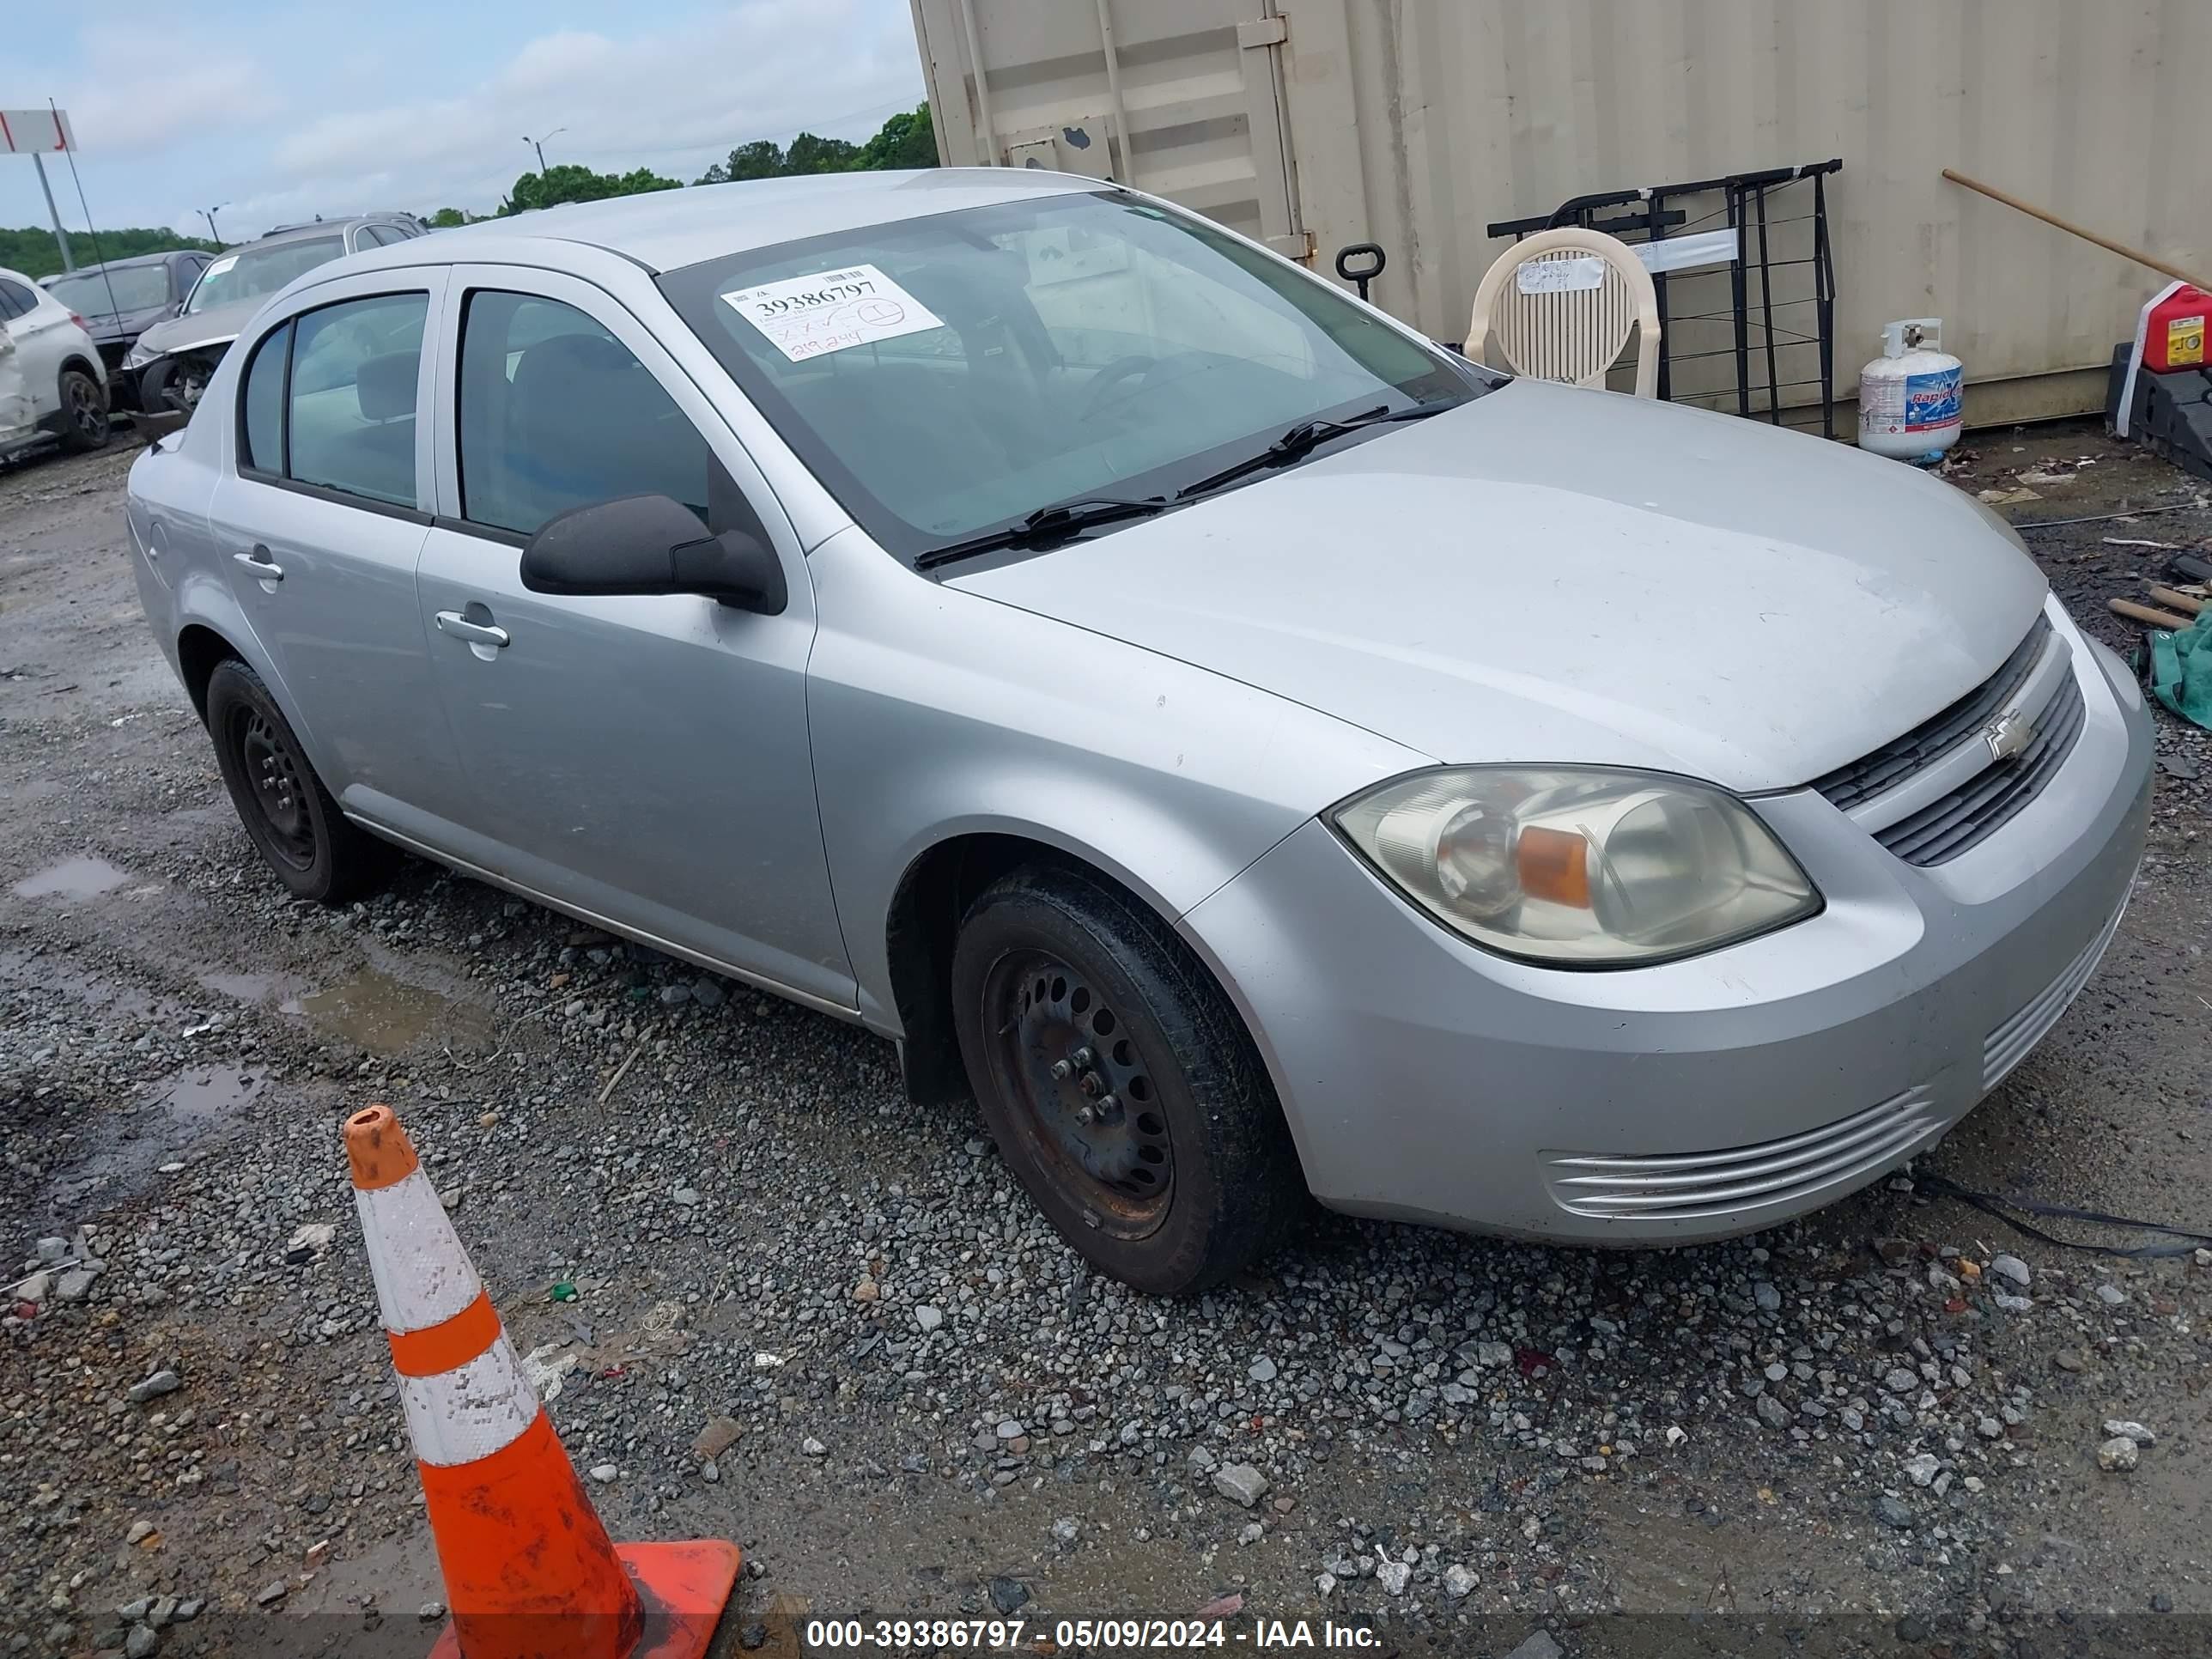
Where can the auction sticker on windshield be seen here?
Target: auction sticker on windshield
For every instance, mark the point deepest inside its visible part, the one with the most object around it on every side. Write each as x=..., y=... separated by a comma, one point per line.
x=831, y=311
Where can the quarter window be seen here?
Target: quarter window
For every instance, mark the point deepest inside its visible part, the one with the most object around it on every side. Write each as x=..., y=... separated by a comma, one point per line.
x=555, y=412
x=16, y=301
x=261, y=431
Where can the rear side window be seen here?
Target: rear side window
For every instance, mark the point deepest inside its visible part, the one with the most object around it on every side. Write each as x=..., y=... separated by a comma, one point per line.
x=329, y=398
x=16, y=301
x=556, y=412
x=261, y=425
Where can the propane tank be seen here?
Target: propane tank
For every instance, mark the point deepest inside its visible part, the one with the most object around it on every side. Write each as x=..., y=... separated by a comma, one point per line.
x=1908, y=396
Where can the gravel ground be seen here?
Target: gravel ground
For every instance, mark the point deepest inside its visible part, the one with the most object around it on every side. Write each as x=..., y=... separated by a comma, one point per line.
x=783, y=1306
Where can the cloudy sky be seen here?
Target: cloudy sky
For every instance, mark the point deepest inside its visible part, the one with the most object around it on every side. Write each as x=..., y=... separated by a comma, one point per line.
x=283, y=111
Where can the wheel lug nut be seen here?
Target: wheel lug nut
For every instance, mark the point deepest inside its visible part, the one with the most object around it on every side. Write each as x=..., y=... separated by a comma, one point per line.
x=1083, y=1060
x=1110, y=1107
x=1062, y=1070
x=1089, y=1083
x=1086, y=1116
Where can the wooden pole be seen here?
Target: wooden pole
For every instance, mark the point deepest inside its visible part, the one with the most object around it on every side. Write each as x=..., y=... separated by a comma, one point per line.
x=2073, y=229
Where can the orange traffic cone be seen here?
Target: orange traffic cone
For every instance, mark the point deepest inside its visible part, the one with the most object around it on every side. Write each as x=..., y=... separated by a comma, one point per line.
x=530, y=1572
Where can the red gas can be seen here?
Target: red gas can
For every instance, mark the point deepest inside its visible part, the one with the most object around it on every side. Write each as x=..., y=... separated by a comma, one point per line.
x=2174, y=338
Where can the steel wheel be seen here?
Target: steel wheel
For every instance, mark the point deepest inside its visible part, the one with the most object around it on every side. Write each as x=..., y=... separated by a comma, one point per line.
x=280, y=790
x=1062, y=1057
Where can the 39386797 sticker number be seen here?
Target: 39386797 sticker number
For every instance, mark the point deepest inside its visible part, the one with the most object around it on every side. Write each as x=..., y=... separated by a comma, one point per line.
x=806, y=317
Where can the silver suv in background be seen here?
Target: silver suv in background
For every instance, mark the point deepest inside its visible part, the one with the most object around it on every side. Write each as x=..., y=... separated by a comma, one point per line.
x=171, y=361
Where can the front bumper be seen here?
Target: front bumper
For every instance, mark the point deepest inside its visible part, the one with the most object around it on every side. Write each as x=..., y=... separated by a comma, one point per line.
x=1425, y=1079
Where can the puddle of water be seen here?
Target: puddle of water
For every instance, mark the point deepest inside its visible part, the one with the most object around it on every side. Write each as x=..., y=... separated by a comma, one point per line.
x=81, y=878
x=246, y=988
x=378, y=1013
x=197, y=1096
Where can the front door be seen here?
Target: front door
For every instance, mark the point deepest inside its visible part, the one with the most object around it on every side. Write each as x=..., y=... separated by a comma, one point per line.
x=319, y=521
x=641, y=759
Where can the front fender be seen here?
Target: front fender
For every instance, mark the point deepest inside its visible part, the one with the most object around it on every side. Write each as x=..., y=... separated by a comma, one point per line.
x=935, y=714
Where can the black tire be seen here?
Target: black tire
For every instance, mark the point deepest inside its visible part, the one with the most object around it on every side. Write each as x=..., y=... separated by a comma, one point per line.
x=84, y=412
x=161, y=387
x=317, y=852
x=1052, y=965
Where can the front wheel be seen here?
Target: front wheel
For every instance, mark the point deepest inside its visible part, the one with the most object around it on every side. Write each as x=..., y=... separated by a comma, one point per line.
x=317, y=852
x=1120, y=1086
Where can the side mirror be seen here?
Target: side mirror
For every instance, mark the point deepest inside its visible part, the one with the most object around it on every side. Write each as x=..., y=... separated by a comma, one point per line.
x=643, y=544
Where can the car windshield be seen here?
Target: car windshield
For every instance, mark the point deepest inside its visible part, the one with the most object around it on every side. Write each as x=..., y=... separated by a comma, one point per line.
x=132, y=288
x=257, y=270
x=949, y=375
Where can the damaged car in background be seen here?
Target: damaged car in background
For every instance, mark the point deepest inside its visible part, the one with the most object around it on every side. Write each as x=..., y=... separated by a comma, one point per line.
x=1249, y=750
x=119, y=301
x=171, y=361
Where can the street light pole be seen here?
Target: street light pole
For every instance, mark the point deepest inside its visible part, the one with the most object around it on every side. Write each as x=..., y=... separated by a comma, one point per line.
x=207, y=213
x=538, y=144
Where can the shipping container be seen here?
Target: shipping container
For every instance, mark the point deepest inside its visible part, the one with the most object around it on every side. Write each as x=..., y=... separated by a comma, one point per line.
x=1418, y=124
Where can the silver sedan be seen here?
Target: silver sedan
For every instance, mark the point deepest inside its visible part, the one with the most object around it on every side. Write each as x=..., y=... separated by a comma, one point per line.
x=1248, y=749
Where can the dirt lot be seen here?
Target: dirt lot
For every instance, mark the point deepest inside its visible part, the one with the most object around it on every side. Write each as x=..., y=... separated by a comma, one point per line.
x=1829, y=1435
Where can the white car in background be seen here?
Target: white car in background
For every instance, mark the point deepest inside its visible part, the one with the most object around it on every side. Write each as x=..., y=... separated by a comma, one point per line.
x=51, y=383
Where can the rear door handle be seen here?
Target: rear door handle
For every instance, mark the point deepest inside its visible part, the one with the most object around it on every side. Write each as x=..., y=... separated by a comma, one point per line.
x=261, y=564
x=454, y=622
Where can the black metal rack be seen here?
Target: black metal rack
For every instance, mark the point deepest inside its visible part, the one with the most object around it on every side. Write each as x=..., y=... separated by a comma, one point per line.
x=1654, y=212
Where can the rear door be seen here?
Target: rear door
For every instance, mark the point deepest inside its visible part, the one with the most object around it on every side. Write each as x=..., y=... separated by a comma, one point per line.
x=640, y=759
x=319, y=521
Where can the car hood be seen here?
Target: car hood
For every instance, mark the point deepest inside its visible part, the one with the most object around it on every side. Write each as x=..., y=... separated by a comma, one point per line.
x=1557, y=575
x=112, y=326
x=216, y=326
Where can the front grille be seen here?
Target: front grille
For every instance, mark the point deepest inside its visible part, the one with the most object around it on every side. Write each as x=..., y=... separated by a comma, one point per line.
x=1970, y=813
x=1896, y=763
x=1687, y=1186
x=2006, y=1046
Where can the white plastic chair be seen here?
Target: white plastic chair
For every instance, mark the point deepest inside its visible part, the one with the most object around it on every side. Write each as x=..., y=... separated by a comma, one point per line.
x=1561, y=304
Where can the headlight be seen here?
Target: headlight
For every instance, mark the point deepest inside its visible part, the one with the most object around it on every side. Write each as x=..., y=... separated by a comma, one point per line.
x=1579, y=866
x=138, y=356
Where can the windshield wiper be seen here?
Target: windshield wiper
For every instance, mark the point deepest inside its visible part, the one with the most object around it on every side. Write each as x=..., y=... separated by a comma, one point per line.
x=1305, y=437
x=1047, y=526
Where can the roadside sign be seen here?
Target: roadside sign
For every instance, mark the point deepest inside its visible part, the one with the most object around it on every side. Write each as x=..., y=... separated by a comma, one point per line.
x=34, y=131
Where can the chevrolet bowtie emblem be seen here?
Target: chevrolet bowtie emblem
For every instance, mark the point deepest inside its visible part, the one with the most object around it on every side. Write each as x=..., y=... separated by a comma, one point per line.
x=2009, y=734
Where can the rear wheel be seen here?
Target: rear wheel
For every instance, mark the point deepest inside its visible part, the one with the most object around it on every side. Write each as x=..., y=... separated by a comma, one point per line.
x=1122, y=1090
x=84, y=412
x=317, y=852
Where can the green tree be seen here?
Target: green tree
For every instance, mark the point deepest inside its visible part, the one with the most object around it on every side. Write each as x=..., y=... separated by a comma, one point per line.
x=32, y=250
x=909, y=139
x=810, y=153
x=571, y=183
x=448, y=218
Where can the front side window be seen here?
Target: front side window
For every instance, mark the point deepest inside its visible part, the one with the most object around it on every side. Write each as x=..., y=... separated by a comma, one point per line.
x=556, y=412
x=254, y=271
x=951, y=374
x=329, y=398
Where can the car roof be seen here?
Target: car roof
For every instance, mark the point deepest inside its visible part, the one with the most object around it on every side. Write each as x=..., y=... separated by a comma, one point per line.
x=165, y=255
x=663, y=230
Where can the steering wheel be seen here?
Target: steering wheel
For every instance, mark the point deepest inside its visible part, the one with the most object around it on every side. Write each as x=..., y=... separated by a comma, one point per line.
x=1121, y=369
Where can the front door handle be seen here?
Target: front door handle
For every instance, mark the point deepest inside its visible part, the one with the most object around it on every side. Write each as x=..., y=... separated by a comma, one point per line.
x=454, y=622
x=261, y=564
